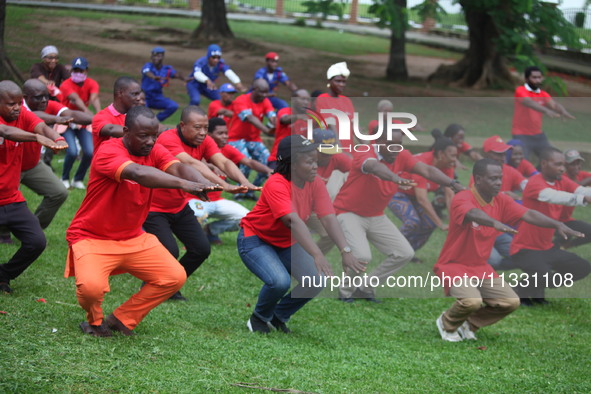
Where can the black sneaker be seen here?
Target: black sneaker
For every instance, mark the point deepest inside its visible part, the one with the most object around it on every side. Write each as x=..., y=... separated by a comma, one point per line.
x=177, y=297
x=348, y=300
x=526, y=302
x=365, y=296
x=279, y=325
x=255, y=324
x=4, y=288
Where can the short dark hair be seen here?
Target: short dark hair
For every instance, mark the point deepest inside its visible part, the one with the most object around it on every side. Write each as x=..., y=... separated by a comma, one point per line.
x=189, y=110
x=441, y=142
x=481, y=166
x=527, y=72
x=215, y=122
x=547, y=153
x=122, y=83
x=452, y=130
x=136, y=112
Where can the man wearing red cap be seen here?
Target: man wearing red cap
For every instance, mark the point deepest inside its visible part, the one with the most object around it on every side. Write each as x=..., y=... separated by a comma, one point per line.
x=274, y=75
x=533, y=250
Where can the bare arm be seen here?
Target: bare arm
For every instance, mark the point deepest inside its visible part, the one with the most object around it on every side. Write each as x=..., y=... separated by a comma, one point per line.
x=381, y=171
x=78, y=116
x=257, y=166
x=258, y=124
x=208, y=174
x=111, y=130
x=434, y=174
x=95, y=101
x=232, y=171
x=528, y=102
x=291, y=86
x=557, y=107
x=77, y=101
x=480, y=217
x=539, y=219
x=18, y=135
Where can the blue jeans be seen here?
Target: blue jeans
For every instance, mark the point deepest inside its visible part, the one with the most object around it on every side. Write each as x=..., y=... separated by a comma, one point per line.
x=533, y=143
x=256, y=151
x=85, y=138
x=158, y=101
x=196, y=89
x=274, y=267
x=278, y=103
x=499, y=256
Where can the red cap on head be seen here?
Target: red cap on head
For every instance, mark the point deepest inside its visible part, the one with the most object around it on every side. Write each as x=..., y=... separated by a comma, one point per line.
x=272, y=56
x=495, y=144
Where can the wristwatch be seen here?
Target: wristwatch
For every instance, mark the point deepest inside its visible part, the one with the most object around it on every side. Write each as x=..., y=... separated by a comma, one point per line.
x=346, y=249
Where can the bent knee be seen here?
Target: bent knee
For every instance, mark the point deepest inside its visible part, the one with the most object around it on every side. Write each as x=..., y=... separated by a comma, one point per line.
x=507, y=304
x=470, y=304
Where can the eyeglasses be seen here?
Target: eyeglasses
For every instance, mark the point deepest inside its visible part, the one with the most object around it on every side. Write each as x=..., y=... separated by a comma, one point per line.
x=52, y=57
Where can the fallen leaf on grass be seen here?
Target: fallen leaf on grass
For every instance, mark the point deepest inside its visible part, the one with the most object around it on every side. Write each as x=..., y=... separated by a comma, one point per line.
x=252, y=386
x=3, y=313
x=41, y=300
x=481, y=348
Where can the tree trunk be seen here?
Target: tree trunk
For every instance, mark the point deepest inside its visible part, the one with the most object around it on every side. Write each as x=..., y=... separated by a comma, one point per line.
x=482, y=65
x=396, y=70
x=214, y=24
x=7, y=69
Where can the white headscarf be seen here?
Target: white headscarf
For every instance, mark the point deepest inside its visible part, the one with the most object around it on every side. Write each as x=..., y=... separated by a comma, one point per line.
x=48, y=50
x=338, y=69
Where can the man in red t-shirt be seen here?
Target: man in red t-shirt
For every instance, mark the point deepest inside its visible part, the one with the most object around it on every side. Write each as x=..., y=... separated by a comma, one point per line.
x=37, y=175
x=574, y=162
x=223, y=107
x=531, y=103
x=533, y=250
x=16, y=127
x=106, y=235
x=247, y=125
x=373, y=180
x=477, y=216
x=170, y=214
x=290, y=121
x=109, y=122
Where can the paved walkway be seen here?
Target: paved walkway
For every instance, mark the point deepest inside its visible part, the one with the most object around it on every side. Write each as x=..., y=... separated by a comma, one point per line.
x=555, y=63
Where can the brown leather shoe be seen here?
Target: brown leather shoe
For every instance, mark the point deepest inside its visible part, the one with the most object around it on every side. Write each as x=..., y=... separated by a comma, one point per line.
x=116, y=325
x=96, y=331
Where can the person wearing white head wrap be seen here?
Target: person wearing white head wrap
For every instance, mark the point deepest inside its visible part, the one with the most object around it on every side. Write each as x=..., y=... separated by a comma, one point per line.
x=50, y=71
x=338, y=69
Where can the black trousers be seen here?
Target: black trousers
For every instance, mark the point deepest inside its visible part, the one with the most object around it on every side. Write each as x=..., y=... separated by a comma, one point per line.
x=549, y=262
x=26, y=228
x=185, y=226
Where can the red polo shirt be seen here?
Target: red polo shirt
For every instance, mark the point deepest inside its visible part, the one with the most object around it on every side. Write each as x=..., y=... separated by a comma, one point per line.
x=240, y=129
x=527, y=121
x=366, y=194
x=341, y=103
x=340, y=161
x=422, y=182
x=235, y=156
x=115, y=208
x=283, y=130
x=104, y=117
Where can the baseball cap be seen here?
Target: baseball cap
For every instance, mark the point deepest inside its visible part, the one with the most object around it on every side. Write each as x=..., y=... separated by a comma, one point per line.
x=80, y=63
x=572, y=155
x=272, y=56
x=294, y=143
x=227, y=88
x=327, y=141
x=495, y=144
x=156, y=50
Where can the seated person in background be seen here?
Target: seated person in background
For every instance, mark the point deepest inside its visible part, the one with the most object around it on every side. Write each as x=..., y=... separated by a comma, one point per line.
x=227, y=211
x=532, y=249
x=574, y=163
x=50, y=71
x=412, y=205
x=517, y=160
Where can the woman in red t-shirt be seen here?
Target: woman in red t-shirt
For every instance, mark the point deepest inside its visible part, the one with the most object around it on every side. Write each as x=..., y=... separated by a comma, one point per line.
x=275, y=243
x=412, y=205
x=455, y=132
x=516, y=159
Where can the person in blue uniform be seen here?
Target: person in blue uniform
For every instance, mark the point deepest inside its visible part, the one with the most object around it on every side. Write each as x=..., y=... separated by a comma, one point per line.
x=274, y=75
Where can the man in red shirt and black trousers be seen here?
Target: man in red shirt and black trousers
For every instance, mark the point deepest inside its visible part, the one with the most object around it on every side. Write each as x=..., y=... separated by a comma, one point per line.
x=477, y=216
x=18, y=125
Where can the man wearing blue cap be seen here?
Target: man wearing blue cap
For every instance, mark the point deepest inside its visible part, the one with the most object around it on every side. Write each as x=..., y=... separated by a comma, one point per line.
x=155, y=76
x=205, y=72
x=223, y=108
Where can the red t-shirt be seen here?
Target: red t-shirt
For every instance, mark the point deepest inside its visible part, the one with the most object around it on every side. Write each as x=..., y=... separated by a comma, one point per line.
x=32, y=150
x=464, y=147
x=115, y=208
x=511, y=179
x=279, y=198
x=526, y=168
x=87, y=88
x=283, y=130
x=534, y=237
x=244, y=130
x=468, y=245
x=173, y=200
x=567, y=212
x=366, y=194
x=341, y=103
x=422, y=182
x=233, y=155
x=340, y=161
x=215, y=106
x=104, y=117
x=527, y=121
x=11, y=158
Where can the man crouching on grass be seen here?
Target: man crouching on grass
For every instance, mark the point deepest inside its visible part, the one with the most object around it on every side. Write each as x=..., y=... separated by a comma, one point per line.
x=477, y=216
x=106, y=235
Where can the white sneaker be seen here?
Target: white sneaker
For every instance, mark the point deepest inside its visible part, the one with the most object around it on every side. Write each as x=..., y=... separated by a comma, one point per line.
x=78, y=185
x=66, y=183
x=452, y=336
x=465, y=331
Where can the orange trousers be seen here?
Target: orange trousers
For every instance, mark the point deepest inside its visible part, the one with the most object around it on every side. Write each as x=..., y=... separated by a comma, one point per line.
x=143, y=257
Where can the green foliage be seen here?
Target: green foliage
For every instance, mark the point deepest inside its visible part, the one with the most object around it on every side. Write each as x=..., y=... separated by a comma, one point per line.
x=300, y=22
x=391, y=15
x=325, y=8
x=429, y=9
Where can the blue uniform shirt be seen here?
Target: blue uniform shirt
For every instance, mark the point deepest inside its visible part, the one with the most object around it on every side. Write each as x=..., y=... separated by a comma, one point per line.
x=151, y=86
x=273, y=79
x=211, y=72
